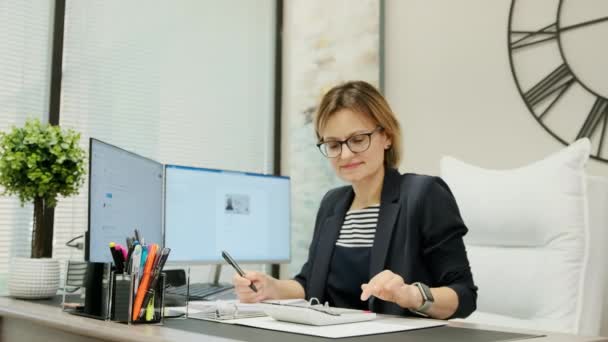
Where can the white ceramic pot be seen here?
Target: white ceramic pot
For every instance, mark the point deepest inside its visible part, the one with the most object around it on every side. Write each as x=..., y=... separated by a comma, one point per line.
x=33, y=278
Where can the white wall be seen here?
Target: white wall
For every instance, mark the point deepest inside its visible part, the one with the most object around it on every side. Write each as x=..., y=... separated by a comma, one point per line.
x=448, y=78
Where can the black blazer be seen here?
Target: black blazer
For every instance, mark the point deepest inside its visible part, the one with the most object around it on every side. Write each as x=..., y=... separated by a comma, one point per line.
x=418, y=236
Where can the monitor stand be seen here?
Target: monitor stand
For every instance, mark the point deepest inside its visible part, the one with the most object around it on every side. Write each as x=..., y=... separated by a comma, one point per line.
x=275, y=270
x=216, y=280
x=216, y=275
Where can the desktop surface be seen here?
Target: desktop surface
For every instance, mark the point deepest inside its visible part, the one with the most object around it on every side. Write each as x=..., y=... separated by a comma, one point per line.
x=244, y=333
x=207, y=211
x=32, y=318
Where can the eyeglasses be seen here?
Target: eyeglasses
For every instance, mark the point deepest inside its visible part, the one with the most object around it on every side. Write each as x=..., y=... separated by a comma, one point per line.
x=356, y=144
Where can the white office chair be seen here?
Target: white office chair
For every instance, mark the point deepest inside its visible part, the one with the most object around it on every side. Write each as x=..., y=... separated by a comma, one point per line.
x=536, y=241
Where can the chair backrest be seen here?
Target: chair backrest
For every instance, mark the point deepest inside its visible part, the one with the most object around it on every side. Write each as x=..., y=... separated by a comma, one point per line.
x=533, y=251
x=594, y=315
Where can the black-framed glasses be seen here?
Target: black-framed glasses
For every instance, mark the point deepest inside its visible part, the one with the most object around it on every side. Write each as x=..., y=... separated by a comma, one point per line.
x=356, y=144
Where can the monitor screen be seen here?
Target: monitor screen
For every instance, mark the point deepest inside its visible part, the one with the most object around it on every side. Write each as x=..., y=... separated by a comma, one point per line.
x=207, y=211
x=125, y=193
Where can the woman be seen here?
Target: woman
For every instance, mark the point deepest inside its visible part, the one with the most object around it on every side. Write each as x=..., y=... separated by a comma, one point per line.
x=389, y=243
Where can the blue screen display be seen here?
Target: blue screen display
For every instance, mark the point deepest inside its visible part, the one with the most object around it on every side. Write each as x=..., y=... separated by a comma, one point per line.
x=207, y=211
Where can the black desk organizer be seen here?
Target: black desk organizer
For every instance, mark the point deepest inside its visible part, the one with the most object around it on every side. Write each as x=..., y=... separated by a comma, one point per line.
x=122, y=298
x=85, y=289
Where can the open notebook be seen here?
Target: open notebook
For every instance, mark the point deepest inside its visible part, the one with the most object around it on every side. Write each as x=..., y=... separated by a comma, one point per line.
x=223, y=311
x=295, y=310
x=254, y=315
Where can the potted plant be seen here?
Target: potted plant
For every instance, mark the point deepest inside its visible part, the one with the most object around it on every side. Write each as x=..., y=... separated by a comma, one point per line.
x=38, y=162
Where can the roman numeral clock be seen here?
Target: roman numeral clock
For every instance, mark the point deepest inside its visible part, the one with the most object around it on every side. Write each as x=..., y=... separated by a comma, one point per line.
x=558, y=50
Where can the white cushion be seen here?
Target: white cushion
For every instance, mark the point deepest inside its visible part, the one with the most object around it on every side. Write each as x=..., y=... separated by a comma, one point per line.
x=485, y=318
x=527, y=235
x=594, y=318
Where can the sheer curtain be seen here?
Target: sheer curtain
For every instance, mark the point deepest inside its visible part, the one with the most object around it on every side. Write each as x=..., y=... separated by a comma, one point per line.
x=186, y=82
x=25, y=45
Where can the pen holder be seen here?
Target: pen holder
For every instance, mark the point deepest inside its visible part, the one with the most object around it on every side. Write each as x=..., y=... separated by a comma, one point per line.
x=123, y=297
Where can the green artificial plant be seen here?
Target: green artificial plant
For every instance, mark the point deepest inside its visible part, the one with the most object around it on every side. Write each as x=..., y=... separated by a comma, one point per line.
x=38, y=162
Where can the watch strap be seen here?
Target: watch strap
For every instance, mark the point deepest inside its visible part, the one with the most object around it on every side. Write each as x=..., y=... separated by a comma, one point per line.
x=427, y=300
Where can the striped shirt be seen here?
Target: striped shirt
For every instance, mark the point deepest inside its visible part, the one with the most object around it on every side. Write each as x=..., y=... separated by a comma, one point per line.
x=359, y=227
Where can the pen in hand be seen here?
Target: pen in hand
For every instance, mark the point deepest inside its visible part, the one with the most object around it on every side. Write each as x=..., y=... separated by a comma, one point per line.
x=236, y=267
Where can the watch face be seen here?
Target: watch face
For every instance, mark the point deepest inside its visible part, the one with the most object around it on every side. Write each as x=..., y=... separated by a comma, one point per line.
x=558, y=50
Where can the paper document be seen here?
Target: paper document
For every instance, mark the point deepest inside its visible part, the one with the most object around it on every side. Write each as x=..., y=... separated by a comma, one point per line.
x=383, y=324
x=252, y=315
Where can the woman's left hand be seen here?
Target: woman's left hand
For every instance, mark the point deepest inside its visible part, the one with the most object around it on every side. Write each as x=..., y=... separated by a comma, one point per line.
x=391, y=287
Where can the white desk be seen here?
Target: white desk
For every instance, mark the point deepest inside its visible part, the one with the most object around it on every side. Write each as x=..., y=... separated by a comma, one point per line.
x=31, y=321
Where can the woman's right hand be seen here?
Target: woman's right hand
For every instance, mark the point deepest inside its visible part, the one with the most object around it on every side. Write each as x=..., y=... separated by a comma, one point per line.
x=265, y=284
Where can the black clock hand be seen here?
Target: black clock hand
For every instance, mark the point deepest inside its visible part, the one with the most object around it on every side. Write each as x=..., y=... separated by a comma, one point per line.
x=549, y=29
x=552, y=30
x=583, y=24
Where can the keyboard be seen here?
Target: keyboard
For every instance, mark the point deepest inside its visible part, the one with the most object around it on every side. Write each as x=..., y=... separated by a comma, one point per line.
x=224, y=295
x=198, y=291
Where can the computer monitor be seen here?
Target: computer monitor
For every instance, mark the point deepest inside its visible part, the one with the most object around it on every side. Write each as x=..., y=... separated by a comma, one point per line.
x=207, y=211
x=125, y=193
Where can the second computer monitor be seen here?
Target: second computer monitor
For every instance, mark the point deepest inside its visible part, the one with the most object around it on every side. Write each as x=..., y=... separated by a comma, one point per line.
x=125, y=193
x=207, y=211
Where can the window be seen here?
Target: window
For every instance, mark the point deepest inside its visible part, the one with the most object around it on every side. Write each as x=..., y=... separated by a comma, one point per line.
x=25, y=42
x=184, y=82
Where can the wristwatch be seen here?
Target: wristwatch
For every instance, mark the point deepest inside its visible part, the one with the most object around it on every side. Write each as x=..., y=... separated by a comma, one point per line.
x=427, y=299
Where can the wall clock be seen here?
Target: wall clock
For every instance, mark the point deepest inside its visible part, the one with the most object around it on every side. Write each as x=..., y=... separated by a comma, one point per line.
x=558, y=51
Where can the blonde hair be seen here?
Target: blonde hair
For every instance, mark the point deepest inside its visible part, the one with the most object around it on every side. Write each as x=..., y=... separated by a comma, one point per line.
x=362, y=97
